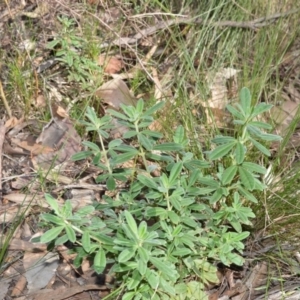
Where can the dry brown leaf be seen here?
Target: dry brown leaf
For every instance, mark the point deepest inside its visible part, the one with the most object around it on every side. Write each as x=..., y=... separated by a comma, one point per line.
x=283, y=116
x=111, y=64
x=61, y=136
x=40, y=268
x=35, y=149
x=65, y=293
x=40, y=101
x=114, y=93
x=220, y=93
x=26, y=200
x=12, y=122
x=10, y=213
x=20, y=245
x=19, y=287
x=58, y=111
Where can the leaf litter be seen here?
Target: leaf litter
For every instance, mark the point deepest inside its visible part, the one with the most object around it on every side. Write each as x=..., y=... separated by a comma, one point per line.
x=33, y=150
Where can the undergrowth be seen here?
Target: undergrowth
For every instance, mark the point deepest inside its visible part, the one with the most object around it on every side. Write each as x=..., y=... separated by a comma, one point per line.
x=162, y=235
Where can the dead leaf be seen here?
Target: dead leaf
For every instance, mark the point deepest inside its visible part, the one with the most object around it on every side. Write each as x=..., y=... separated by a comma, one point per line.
x=111, y=64
x=26, y=200
x=13, y=122
x=35, y=149
x=65, y=293
x=4, y=285
x=222, y=85
x=40, y=101
x=40, y=268
x=20, y=245
x=10, y=213
x=19, y=287
x=283, y=116
x=114, y=93
x=58, y=111
x=61, y=136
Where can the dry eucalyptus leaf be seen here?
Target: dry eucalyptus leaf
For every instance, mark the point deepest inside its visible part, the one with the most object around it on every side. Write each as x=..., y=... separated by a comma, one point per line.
x=111, y=64
x=114, y=93
x=283, y=115
x=222, y=85
x=61, y=136
x=13, y=122
x=40, y=268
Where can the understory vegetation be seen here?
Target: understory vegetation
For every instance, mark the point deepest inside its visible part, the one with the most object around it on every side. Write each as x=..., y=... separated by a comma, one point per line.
x=193, y=145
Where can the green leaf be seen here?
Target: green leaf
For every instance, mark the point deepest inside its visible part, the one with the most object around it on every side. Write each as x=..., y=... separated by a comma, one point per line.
x=111, y=184
x=140, y=106
x=126, y=255
x=270, y=137
x=145, y=142
x=252, y=167
x=168, y=147
x=220, y=139
x=142, y=267
x=61, y=240
x=70, y=233
x=247, y=178
x=121, y=158
x=117, y=114
x=147, y=181
x=131, y=222
x=177, y=230
x=261, y=125
x=260, y=147
x=155, y=212
x=221, y=151
x=228, y=175
x=81, y=155
x=142, y=230
x=86, y=210
x=134, y=281
x=165, y=267
x=217, y=195
x=209, y=182
x=151, y=133
x=53, y=203
x=86, y=241
x=235, y=112
x=247, y=195
x=114, y=143
x=100, y=261
x=175, y=172
x=181, y=252
x=176, y=202
x=128, y=295
x=153, y=109
x=144, y=254
x=240, y=153
x=260, y=108
x=245, y=97
x=168, y=287
x=53, y=219
x=67, y=209
x=91, y=145
x=153, y=278
x=189, y=222
x=129, y=134
x=51, y=234
x=175, y=219
x=179, y=135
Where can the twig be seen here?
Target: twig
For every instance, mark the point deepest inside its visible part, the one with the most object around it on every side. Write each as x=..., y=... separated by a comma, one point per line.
x=2, y=137
x=5, y=101
x=255, y=24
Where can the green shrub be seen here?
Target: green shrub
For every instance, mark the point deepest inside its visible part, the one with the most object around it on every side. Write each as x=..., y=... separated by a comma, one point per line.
x=162, y=235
